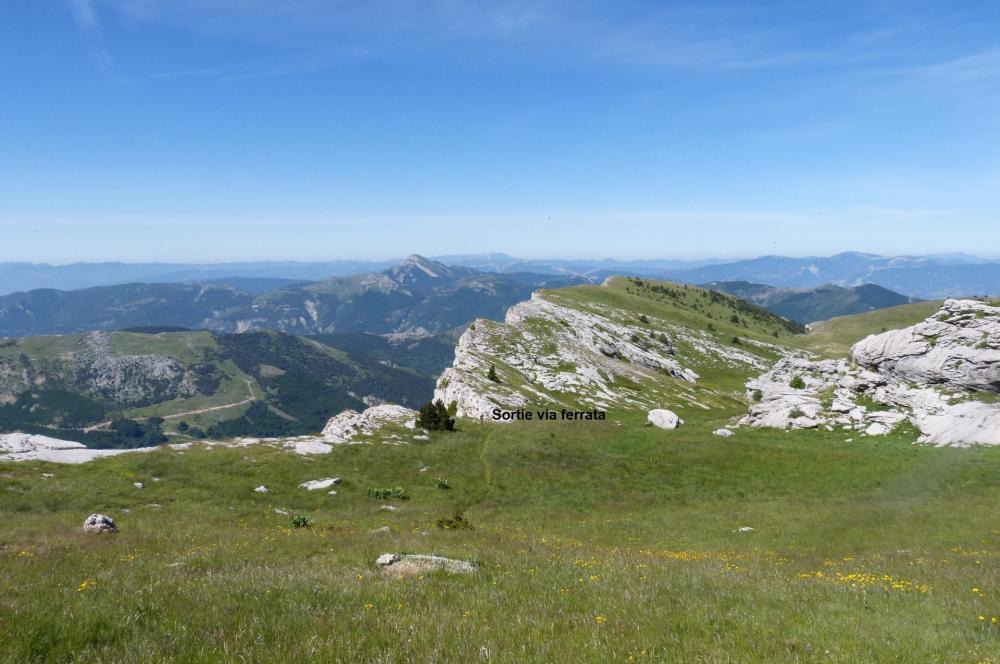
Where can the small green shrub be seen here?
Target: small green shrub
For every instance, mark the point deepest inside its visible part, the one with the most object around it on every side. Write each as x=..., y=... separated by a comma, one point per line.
x=442, y=483
x=299, y=521
x=758, y=396
x=796, y=412
x=397, y=492
x=796, y=382
x=456, y=521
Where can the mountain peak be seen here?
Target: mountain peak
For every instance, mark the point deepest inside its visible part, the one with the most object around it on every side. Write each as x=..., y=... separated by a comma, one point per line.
x=416, y=260
x=419, y=272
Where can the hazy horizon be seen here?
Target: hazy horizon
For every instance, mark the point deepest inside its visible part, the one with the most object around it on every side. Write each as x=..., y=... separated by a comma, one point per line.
x=543, y=257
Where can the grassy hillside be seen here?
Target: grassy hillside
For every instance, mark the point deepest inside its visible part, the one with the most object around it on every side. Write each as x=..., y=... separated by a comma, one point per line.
x=197, y=383
x=597, y=543
x=812, y=304
x=630, y=341
x=834, y=337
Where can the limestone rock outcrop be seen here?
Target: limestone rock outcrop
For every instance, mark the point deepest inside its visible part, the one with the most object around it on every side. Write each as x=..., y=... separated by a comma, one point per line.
x=350, y=425
x=941, y=375
x=584, y=355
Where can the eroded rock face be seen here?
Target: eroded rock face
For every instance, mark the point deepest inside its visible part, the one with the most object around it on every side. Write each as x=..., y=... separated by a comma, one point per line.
x=958, y=347
x=99, y=523
x=550, y=354
x=931, y=375
x=663, y=418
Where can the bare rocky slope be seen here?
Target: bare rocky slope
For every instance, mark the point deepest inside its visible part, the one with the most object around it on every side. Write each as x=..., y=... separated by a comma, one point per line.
x=629, y=344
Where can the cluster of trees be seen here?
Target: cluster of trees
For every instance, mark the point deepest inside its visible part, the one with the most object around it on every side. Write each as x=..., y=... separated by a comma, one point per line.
x=434, y=416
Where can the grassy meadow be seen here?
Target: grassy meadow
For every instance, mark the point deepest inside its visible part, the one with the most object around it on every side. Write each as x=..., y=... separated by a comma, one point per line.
x=597, y=542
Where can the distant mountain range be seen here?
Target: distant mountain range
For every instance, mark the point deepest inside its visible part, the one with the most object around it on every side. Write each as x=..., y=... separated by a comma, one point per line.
x=15, y=277
x=926, y=277
x=934, y=276
x=807, y=305
x=415, y=297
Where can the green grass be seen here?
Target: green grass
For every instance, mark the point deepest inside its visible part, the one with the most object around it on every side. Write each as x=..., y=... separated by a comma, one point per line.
x=597, y=543
x=834, y=337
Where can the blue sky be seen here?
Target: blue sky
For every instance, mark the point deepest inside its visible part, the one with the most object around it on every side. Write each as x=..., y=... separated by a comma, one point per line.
x=319, y=129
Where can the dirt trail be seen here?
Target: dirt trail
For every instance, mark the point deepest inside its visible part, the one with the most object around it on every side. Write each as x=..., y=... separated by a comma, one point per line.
x=173, y=416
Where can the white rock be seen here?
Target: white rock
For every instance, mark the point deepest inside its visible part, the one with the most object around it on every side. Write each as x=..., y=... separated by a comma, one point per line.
x=316, y=485
x=663, y=418
x=725, y=433
x=99, y=523
x=137, y=485
x=32, y=447
x=877, y=429
x=926, y=374
x=744, y=529
x=413, y=564
x=386, y=559
x=261, y=489
x=388, y=508
x=308, y=447
x=350, y=425
x=960, y=346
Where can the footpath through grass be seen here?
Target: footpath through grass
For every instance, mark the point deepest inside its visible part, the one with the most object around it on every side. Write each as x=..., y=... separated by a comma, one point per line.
x=597, y=543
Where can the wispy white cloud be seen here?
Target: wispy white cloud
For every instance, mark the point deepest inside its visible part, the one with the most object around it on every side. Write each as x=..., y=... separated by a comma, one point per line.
x=86, y=17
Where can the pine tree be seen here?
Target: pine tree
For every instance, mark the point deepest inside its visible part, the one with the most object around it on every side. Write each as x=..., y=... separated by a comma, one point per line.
x=433, y=416
x=492, y=375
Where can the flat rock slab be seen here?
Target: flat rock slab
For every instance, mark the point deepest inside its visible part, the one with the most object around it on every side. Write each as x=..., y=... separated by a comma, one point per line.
x=315, y=485
x=412, y=564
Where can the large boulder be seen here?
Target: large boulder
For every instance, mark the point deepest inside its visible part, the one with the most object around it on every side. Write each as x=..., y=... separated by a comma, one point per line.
x=663, y=418
x=411, y=564
x=99, y=523
x=958, y=347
